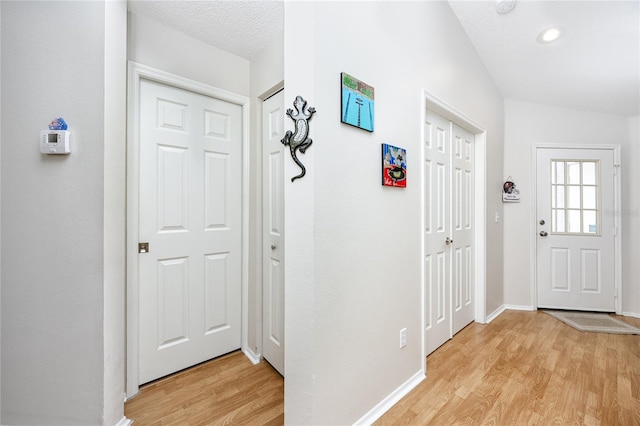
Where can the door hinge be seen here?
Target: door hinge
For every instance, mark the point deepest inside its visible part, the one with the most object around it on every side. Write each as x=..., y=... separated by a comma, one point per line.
x=615, y=169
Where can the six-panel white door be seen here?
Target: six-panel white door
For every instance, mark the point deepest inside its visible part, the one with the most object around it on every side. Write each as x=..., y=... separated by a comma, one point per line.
x=273, y=231
x=190, y=214
x=449, y=232
x=576, y=230
x=437, y=261
x=462, y=199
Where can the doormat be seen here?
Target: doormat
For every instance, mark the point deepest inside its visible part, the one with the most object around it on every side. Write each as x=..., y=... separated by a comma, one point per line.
x=594, y=322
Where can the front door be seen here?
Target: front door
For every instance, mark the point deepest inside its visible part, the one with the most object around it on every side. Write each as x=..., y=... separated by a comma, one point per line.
x=575, y=229
x=191, y=217
x=273, y=230
x=449, y=229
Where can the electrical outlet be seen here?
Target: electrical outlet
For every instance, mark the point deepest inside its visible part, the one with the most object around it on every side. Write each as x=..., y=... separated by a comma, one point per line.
x=403, y=338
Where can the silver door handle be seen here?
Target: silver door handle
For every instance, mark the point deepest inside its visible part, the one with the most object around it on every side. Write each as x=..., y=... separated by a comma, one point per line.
x=448, y=241
x=543, y=233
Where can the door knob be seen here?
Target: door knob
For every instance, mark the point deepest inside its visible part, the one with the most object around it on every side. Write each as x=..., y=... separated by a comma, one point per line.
x=273, y=246
x=543, y=233
x=448, y=241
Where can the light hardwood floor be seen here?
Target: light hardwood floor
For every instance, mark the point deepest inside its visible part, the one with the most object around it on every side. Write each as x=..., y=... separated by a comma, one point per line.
x=524, y=368
x=224, y=391
x=527, y=368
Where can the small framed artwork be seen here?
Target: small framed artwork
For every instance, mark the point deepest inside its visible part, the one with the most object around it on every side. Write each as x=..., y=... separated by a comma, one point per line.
x=394, y=166
x=357, y=100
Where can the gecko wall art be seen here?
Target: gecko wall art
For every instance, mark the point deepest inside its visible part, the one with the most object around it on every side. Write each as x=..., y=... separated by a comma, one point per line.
x=299, y=139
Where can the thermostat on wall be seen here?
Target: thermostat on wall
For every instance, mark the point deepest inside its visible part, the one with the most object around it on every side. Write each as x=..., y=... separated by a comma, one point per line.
x=55, y=142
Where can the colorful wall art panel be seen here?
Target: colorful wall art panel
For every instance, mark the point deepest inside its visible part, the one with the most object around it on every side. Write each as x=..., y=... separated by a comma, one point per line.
x=357, y=102
x=394, y=166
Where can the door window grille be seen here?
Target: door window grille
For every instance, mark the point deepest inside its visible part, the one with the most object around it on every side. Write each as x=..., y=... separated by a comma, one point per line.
x=575, y=197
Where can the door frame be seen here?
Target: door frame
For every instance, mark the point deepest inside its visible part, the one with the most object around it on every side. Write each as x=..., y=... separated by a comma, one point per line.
x=136, y=73
x=433, y=103
x=617, y=207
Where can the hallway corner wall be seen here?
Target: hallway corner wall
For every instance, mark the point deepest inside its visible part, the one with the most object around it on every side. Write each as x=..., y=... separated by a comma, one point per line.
x=354, y=275
x=52, y=214
x=115, y=163
x=631, y=220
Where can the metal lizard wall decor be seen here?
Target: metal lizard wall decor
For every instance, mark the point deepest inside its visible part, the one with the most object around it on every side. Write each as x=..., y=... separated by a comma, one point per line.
x=299, y=140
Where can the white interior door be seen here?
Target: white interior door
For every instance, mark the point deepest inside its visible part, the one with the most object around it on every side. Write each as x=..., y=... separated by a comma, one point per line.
x=576, y=230
x=190, y=214
x=462, y=199
x=449, y=230
x=273, y=231
x=437, y=231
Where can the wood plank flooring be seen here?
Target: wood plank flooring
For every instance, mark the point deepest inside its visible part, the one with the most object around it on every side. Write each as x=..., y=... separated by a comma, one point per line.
x=525, y=368
x=224, y=391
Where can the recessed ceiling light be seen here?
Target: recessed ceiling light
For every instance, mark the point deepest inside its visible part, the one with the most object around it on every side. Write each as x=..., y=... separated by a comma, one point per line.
x=550, y=34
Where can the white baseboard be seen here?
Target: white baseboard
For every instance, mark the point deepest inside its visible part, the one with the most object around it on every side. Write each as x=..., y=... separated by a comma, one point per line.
x=503, y=308
x=383, y=406
x=124, y=422
x=631, y=314
x=520, y=307
x=255, y=359
x=493, y=315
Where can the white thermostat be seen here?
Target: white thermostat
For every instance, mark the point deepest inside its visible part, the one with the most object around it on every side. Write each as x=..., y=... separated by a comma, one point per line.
x=55, y=142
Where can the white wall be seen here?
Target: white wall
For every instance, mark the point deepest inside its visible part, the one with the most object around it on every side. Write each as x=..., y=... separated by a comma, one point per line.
x=299, y=327
x=631, y=220
x=161, y=47
x=267, y=74
x=353, y=248
x=527, y=124
x=115, y=119
x=53, y=216
x=0, y=218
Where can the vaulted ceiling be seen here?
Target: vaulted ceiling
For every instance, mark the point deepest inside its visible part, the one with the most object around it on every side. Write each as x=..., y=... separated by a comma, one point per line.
x=594, y=66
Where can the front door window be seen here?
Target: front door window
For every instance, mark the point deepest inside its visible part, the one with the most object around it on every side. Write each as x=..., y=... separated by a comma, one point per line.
x=575, y=195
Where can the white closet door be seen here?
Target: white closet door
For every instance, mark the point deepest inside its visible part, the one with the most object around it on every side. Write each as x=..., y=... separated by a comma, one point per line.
x=449, y=230
x=273, y=231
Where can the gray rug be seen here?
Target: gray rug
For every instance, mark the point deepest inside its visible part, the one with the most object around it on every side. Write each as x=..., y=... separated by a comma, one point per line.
x=594, y=322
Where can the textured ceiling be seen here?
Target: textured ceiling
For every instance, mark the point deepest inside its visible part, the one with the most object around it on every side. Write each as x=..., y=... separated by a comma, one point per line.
x=595, y=66
x=242, y=27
